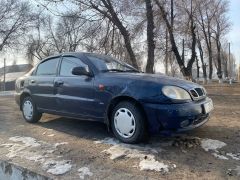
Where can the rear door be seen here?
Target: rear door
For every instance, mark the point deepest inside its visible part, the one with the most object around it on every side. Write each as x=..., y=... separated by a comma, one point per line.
x=75, y=93
x=41, y=84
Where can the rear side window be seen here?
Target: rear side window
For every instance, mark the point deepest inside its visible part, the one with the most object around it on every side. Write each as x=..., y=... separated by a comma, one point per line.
x=68, y=63
x=48, y=68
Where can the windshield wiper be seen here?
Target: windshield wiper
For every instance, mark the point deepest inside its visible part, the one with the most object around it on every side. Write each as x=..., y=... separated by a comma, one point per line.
x=108, y=70
x=118, y=70
x=132, y=70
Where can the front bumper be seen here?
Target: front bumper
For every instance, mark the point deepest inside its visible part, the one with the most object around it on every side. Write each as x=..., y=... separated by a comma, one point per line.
x=176, y=117
x=17, y=98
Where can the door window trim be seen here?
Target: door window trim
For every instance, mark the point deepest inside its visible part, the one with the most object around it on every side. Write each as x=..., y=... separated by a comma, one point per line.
x=57, y=69
x=60, y=65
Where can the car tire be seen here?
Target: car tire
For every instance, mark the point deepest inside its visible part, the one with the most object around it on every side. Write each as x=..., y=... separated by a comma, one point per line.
x=133, y=130
x=29, y=110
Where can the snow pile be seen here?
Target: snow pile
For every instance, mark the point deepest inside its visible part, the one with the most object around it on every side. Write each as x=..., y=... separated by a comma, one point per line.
x=6, y=93
x=237, y=170
x=234, y=156
x=84, y=171
x=59, y=144
x=219, y=156
x=57, y=167
x=210, y=144
x=144, y=153
x=110, y=141
x=37, y=151
x=214, y=145
x=116, y=151
x=28, y=141
x=153, y=165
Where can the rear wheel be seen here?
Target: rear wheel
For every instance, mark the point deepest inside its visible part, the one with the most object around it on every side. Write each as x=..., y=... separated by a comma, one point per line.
x=29, y=110
x=128, y=123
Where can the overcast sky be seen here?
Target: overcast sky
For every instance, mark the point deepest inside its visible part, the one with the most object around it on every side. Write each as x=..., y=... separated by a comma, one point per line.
x=233, y=36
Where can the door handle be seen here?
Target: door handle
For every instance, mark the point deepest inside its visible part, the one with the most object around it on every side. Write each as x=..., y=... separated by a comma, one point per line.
x=32, y=81
x=58, y=83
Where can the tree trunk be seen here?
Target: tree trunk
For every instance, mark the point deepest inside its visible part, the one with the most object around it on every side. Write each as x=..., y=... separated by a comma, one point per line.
x=197, y=64
x=204, y=66
x=186, y=71
x=219, y=62
x=166, y=54
x=150, y=36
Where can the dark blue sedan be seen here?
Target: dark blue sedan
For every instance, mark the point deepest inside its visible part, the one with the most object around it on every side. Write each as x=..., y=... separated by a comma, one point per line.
x=97, y=87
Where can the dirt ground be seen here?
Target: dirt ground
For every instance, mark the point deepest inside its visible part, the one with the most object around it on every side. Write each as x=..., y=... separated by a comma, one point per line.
x=62, y=148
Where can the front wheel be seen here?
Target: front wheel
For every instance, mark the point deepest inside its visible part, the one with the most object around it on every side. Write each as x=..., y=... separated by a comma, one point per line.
x=29, y=110
x=128, y=123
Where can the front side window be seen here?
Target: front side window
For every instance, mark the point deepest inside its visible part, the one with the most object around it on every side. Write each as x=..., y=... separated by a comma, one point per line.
x=68, y=63
x=48, y=68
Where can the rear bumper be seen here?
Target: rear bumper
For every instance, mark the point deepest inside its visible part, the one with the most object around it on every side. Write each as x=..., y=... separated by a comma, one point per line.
x=176, y=117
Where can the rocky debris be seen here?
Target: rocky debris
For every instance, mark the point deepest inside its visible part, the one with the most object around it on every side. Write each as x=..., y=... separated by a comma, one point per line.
x=186, y=142
x=229, y=172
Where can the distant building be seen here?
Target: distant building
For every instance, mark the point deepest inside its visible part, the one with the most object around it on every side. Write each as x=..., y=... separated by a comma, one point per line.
x=12, y=73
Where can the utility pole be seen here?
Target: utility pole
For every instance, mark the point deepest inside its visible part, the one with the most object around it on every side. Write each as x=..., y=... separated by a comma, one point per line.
x=229, y=61
x=4, y=74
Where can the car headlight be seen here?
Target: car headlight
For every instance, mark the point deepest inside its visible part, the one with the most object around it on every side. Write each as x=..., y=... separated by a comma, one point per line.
x=175, y=92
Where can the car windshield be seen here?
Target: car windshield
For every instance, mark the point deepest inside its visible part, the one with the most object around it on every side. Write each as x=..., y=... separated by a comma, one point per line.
x=106, y=63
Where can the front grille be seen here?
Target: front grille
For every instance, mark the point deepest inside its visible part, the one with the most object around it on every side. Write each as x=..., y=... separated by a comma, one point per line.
x=197, y=93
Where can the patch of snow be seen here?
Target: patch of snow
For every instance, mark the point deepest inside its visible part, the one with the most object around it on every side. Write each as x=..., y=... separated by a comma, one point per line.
x=110, y=141
x=59, y=144
x=39, y=152
x=51, y=135
x=144, y=153
x=237, y=170
x=219, y=156
x=36, y=158
x=116, y=152
x=211, y=144
x=6, y=93
x=28, y=141
x=57, y=167
x=234, y=156
x=84, y=171
x=14, y=150
x=153, y=165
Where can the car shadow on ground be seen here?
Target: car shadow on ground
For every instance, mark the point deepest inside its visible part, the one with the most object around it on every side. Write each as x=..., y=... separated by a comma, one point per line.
x=97, y=131
x=80, y=128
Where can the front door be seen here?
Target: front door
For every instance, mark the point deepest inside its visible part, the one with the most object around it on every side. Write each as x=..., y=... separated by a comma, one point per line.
x=75, y=94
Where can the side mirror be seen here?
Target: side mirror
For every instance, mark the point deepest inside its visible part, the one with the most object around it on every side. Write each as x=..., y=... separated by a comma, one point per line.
x=81, y=71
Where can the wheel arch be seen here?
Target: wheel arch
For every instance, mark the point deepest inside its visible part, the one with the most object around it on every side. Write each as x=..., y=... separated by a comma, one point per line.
x=119, y=99
x=23, y=95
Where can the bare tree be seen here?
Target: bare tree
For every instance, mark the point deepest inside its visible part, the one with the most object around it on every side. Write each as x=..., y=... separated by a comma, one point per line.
x=107, y=10
x=186, y=70
x=15, y=20
x=220, y=28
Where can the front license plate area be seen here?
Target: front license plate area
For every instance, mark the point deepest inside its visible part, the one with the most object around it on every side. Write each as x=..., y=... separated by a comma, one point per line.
x=207, y=107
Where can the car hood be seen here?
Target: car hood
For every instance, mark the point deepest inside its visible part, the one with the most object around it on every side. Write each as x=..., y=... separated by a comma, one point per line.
x=156, y=78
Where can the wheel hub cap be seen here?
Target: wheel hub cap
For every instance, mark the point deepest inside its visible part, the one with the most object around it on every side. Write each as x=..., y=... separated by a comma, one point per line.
x=124, y=122
x=28, y=109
